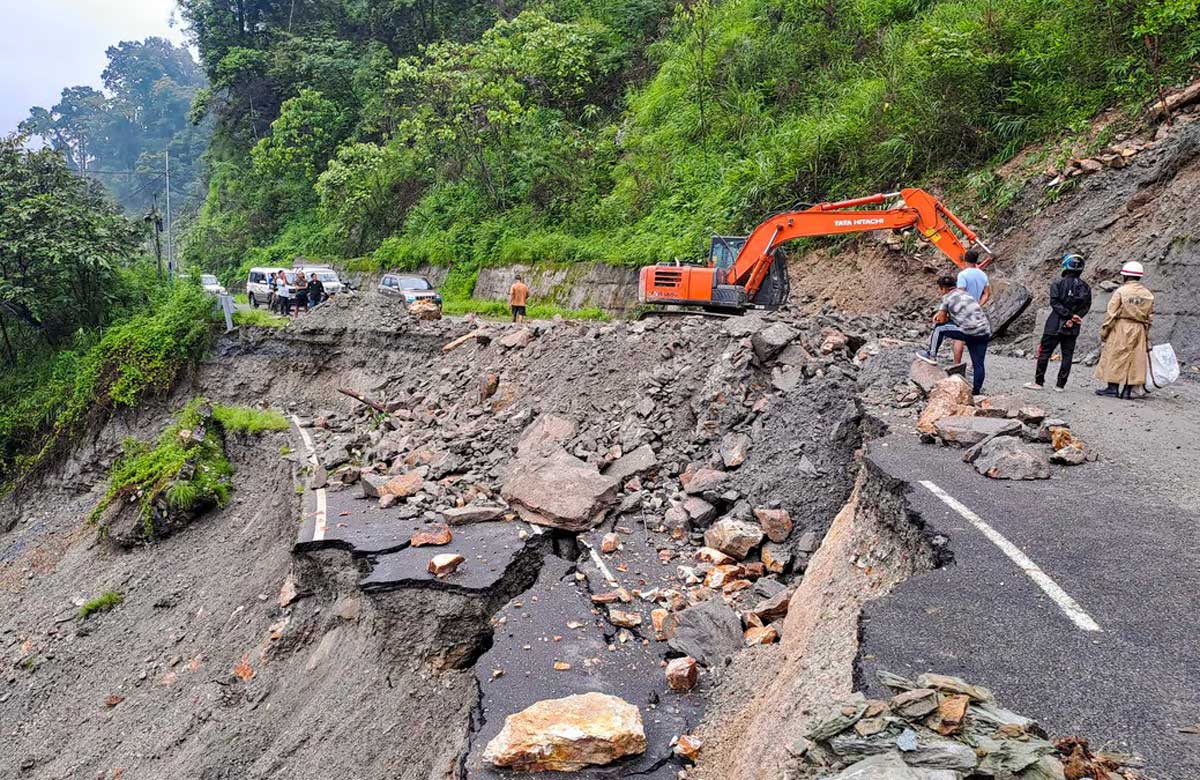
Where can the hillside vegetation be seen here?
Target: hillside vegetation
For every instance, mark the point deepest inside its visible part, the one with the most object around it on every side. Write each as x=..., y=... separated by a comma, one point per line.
x=627, y=130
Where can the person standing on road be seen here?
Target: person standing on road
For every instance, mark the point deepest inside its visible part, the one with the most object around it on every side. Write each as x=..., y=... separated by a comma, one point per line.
x=283, y=294
x=976, y=284
x=1070, y=299
x=961, y=318
x=1125, y=334
x=316, y=291
x=301, y=292
x=518, y=296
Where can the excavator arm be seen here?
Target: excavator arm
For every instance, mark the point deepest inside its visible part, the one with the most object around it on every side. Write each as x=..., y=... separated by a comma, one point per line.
x=738, y=285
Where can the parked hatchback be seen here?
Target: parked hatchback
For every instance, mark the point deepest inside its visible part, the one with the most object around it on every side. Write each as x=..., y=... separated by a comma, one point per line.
x=408, y=288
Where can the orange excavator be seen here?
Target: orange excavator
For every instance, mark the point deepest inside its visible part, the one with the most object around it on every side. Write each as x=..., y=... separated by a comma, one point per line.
x=745, y=272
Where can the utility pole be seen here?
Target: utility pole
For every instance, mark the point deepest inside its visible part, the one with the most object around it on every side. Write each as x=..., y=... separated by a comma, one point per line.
x=170, y=234
x=155, y=219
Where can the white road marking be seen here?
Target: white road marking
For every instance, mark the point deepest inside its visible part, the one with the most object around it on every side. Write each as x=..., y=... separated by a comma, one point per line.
x=1051, y=588
x=596, y=559
x=321, y=521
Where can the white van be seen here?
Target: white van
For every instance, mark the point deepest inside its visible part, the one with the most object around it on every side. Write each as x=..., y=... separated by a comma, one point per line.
x=258, y=285
x=329, y=278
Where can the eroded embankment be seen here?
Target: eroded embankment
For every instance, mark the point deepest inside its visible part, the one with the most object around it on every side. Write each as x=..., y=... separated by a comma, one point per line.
x=766, y=704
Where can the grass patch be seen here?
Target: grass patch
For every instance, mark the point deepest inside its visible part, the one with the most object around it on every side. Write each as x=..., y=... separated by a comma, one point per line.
x=538, y=311
x=243, y=419
x=102, y=603
x=241, y=298
x=258, y=318
x=178, y=470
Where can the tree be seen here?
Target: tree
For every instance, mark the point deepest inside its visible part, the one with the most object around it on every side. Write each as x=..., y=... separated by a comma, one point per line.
x=62, y=248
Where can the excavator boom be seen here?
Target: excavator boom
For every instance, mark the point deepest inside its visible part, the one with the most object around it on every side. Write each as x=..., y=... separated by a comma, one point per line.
x=738, y=284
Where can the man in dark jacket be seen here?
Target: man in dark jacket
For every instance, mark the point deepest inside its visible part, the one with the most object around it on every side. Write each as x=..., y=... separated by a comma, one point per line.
x=1070, y=299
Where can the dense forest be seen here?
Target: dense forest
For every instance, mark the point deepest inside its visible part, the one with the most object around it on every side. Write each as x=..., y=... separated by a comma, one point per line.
x=464, y=133
x=120, y=136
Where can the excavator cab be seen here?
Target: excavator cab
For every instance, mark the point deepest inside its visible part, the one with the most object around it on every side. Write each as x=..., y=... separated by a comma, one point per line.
x=724, y=250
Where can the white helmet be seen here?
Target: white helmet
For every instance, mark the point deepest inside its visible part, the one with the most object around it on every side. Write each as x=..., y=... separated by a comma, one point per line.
x=1132, y=269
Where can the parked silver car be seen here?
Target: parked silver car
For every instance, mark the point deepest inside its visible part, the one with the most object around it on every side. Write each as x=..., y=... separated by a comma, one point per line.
x=408, y=288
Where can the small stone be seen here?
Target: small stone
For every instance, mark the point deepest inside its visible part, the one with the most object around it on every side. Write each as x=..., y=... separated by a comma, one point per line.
x=688, y=747
x=773, y=608
x=610, y=543
x=833, y=340
x=561, y=666
x=733, y=537
x=682, y=673
x=715, y=557
x=619, y=617
x=916, y=703
x=808, y=543
x=734, y=448
x=288, y=592
x=756, y=635
x=1069, y=456
x=1031, y=414
x=658, y=618
x=434, y=535
x=704, y=480
x=776, y=558
x=445, y=564
x=776, y=523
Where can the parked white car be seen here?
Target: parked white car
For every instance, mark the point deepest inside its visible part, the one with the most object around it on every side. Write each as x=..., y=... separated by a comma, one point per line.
x=329, y=278
x=258, y=285
x=211, y=285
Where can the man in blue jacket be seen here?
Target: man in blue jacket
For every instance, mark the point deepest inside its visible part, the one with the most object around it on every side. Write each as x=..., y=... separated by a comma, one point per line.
x=1070, y=300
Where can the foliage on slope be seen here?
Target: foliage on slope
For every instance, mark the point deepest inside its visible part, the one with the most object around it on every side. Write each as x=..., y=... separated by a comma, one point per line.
x=623, y=131
x=46, y=404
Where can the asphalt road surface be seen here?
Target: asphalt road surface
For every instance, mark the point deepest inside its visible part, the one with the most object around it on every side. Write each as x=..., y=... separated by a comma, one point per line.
x=1073, y=598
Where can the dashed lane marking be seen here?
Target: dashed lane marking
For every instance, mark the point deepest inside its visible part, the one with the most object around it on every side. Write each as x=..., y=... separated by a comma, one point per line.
x=1051, y=588
x=320, y=521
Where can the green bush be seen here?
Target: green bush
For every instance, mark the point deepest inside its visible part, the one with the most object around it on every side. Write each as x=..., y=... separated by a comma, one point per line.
x=44, y=407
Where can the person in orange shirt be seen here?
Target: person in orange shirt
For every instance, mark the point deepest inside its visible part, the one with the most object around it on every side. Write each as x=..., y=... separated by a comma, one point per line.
x=518, y=294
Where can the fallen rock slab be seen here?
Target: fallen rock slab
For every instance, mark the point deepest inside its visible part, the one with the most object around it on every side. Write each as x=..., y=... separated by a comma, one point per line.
x=776, y=523
x=926, y=376
x=568, y=734
x=559, y=491
x=640, y=460
x=771, y=340
x=1007, y=457
x=968, y=431
x=472, y=513
x=545, y=435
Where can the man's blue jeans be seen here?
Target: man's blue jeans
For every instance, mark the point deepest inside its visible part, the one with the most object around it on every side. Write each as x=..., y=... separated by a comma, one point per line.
x=976, y=348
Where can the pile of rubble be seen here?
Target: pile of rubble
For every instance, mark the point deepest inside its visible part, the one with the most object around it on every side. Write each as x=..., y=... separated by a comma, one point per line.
x=693, y=465
x=942, y=728
x=1005, y=437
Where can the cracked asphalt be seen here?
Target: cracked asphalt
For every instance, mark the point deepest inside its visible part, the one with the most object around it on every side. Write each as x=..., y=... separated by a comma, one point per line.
x=1119, y=536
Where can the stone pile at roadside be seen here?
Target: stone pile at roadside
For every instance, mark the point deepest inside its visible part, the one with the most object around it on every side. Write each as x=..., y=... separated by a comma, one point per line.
x=1004, y=436
x=939, y=727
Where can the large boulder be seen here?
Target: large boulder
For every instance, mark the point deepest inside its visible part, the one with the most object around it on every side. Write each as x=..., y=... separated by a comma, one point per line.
x=733, y=537
x=708, y=632
x=968, y=431
x=771, y=340
x=945, y=399
x=1006, y=457
x=559, y=491
x=568, y=734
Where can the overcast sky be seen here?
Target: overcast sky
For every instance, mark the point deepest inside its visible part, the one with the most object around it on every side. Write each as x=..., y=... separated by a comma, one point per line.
x=46, y=45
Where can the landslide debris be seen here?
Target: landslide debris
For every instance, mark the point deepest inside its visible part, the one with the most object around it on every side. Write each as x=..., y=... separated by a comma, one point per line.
x=939, y=727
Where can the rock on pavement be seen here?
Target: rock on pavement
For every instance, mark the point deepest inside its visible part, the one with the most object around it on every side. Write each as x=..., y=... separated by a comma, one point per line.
x=559, y=491
x=708, y=632
x=1005, y=457
x=568, y=734
x=733, y=537
x=968, y=431
x=945, y=399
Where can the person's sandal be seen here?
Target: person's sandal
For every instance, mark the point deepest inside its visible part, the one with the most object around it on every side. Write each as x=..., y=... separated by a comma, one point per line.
x=1034, y=386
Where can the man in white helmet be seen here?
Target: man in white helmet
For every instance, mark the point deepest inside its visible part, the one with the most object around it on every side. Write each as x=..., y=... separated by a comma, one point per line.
x=1126, y=334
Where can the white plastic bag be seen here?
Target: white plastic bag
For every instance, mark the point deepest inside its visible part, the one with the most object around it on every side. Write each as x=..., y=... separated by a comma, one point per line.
x=1162, y=368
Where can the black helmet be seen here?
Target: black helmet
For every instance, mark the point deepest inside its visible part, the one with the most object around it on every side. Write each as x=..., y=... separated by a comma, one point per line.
x=1072, y=262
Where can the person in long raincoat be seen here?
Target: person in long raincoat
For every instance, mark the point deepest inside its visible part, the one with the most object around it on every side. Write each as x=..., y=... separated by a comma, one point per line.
x=1126, y=334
